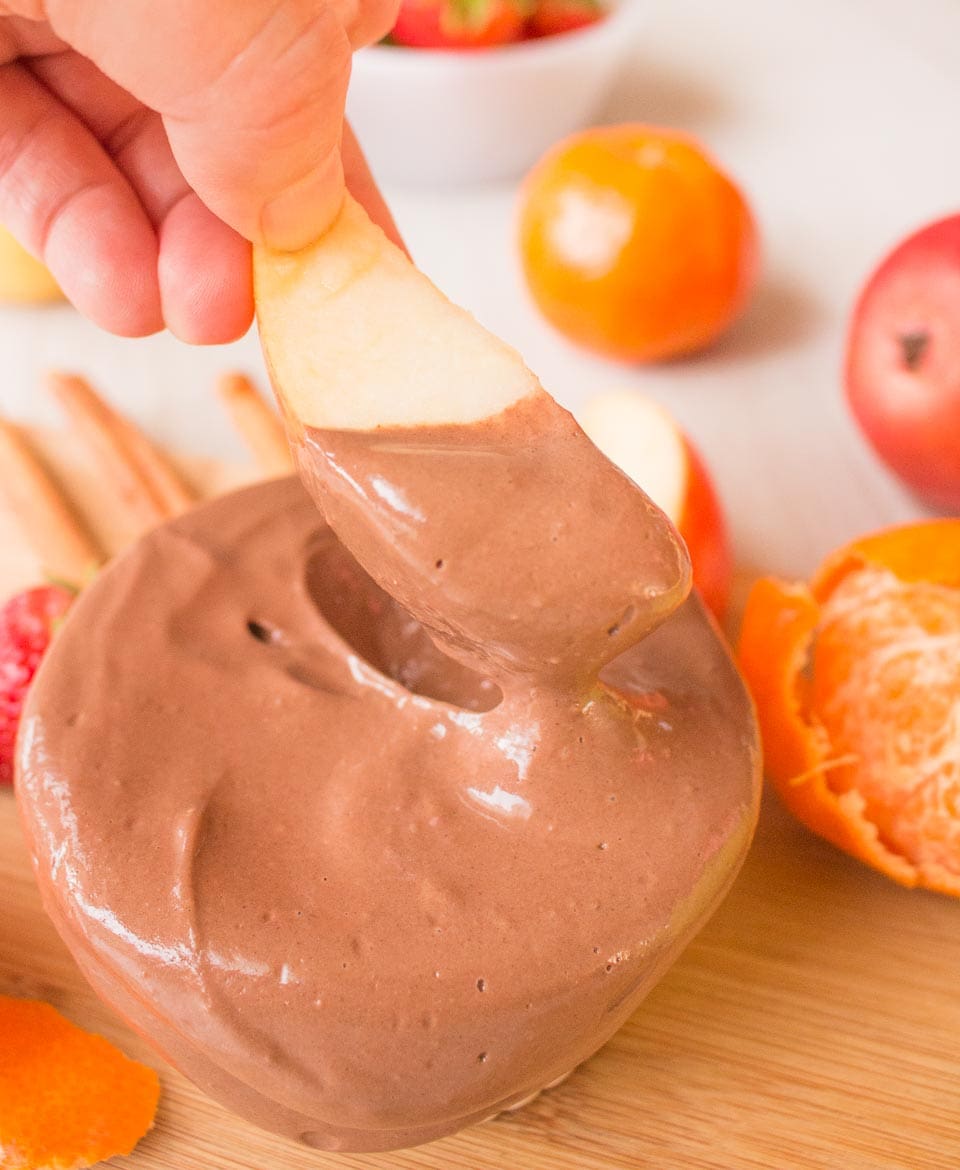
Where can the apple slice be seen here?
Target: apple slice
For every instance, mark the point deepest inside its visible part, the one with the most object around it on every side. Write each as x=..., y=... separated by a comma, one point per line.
x=356, y=337
x=23, y=280
x=459, y=484
x=644, y=441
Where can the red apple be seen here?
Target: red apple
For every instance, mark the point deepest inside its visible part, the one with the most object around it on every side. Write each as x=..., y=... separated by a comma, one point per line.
x=903, y=362
x=643, y=440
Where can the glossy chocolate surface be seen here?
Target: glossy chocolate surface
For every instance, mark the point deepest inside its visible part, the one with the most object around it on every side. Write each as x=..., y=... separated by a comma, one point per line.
x=362, y=893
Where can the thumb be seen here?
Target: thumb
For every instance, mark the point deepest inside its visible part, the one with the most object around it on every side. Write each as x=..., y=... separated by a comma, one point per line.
x=251, y=93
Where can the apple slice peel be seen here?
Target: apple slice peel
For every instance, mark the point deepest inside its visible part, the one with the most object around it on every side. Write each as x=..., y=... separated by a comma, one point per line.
x=642, y=438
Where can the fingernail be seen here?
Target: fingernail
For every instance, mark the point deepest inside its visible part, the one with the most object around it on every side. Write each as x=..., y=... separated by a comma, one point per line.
x=301, y=213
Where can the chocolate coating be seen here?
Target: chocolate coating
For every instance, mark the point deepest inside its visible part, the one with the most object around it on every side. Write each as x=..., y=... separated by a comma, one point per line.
x=360, y=914
x=521, y=548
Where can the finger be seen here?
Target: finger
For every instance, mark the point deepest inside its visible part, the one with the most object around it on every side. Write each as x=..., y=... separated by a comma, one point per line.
x=202, y=303
x=64, y=199
x=28, y=9
x=20, y=37
x=251, y=95
x=367, y=21
x=206, y=284
x=130, y=133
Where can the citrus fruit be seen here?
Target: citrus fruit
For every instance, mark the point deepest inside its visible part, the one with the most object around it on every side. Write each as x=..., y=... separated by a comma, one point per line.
x=857, y=685
x=635, y=244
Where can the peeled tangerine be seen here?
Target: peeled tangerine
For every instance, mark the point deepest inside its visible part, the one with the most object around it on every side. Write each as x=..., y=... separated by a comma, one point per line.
x=857, y=685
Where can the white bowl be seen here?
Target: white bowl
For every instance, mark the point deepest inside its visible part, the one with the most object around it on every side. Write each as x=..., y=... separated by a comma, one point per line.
x=438, y=117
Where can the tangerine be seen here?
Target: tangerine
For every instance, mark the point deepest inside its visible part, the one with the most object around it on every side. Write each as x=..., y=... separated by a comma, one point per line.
x=857, y=685
x=635, y=244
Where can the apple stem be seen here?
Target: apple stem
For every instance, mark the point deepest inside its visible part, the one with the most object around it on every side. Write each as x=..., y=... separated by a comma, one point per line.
x=914, y=347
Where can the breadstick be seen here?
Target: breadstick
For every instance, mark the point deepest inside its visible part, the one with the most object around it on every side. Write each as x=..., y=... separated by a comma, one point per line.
x=146, y=487
x=260, y=427
x=162, y=479
x=58, y=538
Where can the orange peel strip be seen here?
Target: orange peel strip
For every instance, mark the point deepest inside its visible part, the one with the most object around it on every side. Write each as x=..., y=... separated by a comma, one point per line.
x=68, y=1098
x=779, y=627
x=928, y=551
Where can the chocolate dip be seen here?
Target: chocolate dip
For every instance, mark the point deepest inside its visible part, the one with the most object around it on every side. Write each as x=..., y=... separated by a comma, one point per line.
x=363, y=892
x=515, y=542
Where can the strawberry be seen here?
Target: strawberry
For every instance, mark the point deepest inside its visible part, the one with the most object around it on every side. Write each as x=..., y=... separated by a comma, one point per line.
x=27, y=623
x=459, y=24
x=550, y=17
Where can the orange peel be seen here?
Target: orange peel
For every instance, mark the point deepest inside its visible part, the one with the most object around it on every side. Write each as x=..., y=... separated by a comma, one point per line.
x=856, y=679
x=68, y=1098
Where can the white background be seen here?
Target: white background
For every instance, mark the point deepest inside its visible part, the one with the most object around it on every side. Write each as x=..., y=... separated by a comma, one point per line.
x=838, y=117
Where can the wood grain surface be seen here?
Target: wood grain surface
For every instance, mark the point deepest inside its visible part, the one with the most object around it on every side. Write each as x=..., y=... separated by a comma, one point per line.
x=813, y=1023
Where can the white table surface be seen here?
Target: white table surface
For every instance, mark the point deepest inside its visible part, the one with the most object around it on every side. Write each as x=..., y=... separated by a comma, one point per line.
x=839, y=119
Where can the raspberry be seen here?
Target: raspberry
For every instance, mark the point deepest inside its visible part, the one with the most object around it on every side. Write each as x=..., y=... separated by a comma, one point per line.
x=27, y=624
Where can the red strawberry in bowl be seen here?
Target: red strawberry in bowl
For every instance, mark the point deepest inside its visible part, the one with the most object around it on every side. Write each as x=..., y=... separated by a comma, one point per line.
x=459, y=24
x=28, y=622
x=550, y=17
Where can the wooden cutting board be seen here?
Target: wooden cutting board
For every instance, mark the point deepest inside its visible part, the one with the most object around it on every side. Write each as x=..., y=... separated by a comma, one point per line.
x=815, y=1022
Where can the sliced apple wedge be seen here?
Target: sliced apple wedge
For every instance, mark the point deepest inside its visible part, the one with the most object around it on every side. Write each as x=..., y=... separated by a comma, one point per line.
x=646, y=442
x=460, y=486
x=356, y=337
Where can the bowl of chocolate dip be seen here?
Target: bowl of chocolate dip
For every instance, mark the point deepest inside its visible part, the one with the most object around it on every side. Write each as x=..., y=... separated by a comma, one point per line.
x=358, y=892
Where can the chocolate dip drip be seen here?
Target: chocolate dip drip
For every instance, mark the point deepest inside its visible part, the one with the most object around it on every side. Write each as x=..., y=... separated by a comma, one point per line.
x=519, y=546
x=362, y=893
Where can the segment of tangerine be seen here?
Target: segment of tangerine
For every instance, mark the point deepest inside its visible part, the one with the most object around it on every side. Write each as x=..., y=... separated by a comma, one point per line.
x=857, y=686
x=68, y=1099
x=885, y=687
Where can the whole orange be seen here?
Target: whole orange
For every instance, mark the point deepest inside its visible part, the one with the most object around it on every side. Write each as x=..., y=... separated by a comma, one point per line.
x=634, y=243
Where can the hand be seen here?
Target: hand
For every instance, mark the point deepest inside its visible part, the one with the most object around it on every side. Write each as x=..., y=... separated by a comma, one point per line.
x=144, y=143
